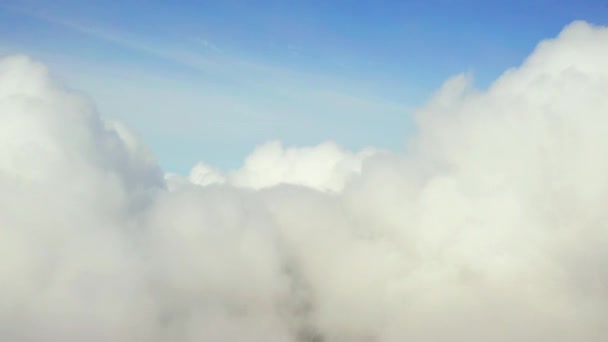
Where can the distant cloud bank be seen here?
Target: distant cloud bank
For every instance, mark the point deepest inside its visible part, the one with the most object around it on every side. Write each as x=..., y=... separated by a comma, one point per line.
x=492, y=227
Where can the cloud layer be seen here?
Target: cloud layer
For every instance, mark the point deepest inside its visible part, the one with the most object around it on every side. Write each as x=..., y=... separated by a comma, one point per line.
x=492, y=227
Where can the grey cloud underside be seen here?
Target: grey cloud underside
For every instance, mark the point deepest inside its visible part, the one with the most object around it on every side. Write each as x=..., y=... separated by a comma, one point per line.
x=491, y=228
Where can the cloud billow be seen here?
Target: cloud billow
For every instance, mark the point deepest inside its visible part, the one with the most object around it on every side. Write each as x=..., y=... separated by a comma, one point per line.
x=492, y=227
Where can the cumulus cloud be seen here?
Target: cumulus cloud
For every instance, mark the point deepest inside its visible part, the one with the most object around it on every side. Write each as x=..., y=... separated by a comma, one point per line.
x=325, y=167
x=490, y=228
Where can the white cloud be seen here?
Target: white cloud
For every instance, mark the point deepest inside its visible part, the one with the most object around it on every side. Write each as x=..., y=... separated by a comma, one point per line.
x=491, y=228
x=325, y=167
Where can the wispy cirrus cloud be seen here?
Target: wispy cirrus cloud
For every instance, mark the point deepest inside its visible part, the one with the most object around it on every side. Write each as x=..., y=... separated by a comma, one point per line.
x=222, y=98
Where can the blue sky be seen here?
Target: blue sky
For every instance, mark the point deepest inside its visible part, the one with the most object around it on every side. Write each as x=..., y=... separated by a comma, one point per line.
x=210, y=80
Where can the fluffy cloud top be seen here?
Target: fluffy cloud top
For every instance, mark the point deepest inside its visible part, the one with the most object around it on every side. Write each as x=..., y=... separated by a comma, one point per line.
x=325, y=167
x=491, y=228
